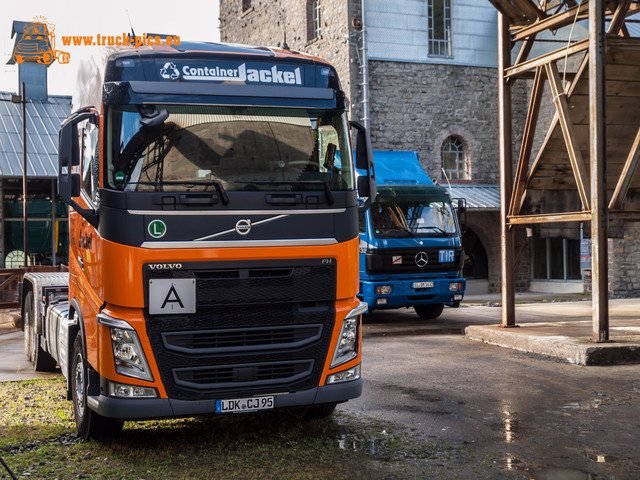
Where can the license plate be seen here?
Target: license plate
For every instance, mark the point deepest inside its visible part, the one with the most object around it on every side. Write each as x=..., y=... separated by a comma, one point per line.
x=244, y=404
x=422, y=284
x=172, y=296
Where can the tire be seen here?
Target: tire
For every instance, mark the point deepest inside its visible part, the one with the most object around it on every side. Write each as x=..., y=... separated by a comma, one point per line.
x=429, y=312
x=27, y=320
x=88, y=423
x=41, y=360
x=310, y=413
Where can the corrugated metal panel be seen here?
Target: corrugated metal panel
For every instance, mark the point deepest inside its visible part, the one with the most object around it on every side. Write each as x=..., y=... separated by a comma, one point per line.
x=44, y=117
x=397, y=31
x=478, y=197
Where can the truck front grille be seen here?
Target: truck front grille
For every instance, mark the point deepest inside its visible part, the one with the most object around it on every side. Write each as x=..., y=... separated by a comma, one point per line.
x=259, y=327
x=403, y=260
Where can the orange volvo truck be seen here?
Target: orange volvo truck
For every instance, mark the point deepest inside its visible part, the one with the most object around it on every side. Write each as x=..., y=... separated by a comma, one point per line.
x=213, y=259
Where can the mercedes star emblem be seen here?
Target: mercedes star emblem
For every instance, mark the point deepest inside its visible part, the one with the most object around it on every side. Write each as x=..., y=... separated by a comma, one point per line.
x=422, y=259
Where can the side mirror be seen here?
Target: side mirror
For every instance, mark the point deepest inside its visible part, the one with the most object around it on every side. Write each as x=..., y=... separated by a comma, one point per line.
x=364, y=161
x=69, y=157
x=462, y=214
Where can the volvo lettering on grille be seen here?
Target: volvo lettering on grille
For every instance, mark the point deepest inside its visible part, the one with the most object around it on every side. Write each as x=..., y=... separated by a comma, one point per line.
x=422, y=259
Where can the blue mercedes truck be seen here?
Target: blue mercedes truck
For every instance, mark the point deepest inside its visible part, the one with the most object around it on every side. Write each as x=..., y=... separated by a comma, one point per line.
x=410, y=248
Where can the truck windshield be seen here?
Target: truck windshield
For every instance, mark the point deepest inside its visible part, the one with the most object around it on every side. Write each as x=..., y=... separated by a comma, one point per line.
x=412, y=211
x=200, y=148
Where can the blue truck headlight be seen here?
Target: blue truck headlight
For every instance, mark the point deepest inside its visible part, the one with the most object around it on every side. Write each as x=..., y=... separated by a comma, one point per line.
x=456, y=286
x=128, y=353
x=384, y=289
x=347, y=346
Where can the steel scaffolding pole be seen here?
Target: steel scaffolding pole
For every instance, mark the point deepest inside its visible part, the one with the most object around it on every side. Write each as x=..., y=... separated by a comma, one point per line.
x=599, y=214
x=506, y=175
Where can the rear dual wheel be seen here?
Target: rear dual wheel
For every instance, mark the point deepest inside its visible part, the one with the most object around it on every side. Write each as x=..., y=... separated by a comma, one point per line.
x=41, y=360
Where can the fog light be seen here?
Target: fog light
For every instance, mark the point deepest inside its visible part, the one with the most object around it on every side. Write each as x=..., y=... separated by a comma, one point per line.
x=455, y=286
x=345, y=376
x=381, y=301
x=384, y=289
x=122, y=390
x=457, y=297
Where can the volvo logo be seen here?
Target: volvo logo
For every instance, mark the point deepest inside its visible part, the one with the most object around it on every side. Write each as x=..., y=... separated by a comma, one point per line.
x=243, y=227
x=422, y=259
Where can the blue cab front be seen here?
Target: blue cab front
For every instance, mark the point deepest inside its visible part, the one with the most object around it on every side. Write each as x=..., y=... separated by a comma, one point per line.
x=410, y=249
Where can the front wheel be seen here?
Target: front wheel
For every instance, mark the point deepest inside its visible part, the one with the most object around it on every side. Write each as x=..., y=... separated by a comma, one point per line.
x=310, y=413
x=89, y=423
x=429, y=312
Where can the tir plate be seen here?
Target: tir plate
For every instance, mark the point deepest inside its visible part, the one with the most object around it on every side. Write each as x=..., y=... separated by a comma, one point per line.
x=422, y=284
x=245, y=404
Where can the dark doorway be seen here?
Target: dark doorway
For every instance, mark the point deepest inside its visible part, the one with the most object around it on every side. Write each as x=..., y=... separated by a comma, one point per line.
x=476, y=265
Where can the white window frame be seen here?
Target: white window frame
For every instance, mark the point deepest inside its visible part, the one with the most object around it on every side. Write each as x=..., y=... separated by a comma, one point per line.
x=453, y=145
x=439, y=47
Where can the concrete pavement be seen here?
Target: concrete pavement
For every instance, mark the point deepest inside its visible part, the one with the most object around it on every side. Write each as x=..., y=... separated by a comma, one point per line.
x=555, y=326
x=564, y=329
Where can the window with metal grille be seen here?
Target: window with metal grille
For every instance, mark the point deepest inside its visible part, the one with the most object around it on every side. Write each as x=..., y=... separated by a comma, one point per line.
x=439, y=27
x=555, y=258
x=453, y=158
x=314, y=20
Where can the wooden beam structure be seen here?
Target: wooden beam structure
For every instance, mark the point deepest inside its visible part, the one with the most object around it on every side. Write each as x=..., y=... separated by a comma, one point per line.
x=506, y=168
x=595, y=129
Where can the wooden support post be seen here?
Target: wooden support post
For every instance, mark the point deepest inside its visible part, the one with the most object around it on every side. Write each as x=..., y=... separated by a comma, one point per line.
x=506, y=175
x=599, y=216
x=629, y=170
x=527, y=143
x=575, y=157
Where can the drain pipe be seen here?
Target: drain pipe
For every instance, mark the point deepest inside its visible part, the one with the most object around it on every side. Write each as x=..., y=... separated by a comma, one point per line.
x=364, y=69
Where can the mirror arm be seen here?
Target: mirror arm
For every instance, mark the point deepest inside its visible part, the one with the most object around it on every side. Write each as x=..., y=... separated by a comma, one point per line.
x=89, y=214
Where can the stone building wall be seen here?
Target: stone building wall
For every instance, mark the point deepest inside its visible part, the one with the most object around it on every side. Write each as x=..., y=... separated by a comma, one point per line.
x=624, y=262
x=267, y=22
x=416, y=106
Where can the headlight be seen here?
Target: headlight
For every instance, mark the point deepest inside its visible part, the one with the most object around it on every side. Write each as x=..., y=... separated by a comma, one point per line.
x=347, y=347
x=456, y=286
x=128, y=354
x=384, y=289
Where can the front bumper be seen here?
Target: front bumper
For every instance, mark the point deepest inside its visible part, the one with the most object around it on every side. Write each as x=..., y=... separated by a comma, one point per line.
x=404, y=295
x=145, y=409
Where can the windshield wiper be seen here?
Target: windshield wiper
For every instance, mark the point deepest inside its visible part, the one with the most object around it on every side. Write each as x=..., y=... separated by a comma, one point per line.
x=215, y=183
x=324, y=184
x=433, y=227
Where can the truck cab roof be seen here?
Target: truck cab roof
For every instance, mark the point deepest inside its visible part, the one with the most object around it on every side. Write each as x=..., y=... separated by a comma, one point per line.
x=399, y=168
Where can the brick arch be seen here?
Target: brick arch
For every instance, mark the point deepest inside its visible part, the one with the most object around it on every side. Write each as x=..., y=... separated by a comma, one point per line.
x=485, y=225
x=469, y=142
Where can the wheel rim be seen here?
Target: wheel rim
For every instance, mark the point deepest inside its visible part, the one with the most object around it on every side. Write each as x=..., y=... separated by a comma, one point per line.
x=27, y=334
x=79, y=386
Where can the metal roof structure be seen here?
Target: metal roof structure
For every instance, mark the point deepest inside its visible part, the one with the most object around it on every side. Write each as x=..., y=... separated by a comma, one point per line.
x=478, y=197
x=44, y=117
x=591, y=148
